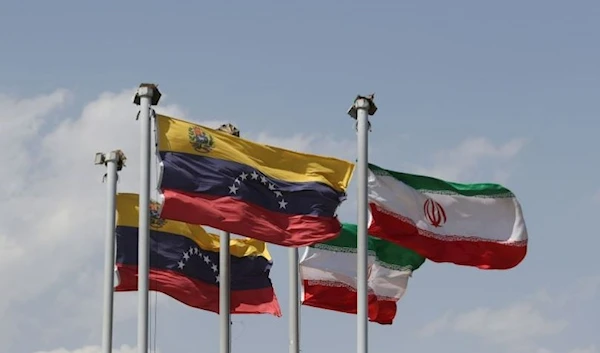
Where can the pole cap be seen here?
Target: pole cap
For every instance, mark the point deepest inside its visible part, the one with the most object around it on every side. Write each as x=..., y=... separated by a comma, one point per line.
x=371, y=108
x=230, y=129
x=147, y=90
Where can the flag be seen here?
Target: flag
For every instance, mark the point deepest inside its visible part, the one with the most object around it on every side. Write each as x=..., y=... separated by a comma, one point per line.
x=184, y=263
x=479, y=225
x=283, y=197
x=328, y=275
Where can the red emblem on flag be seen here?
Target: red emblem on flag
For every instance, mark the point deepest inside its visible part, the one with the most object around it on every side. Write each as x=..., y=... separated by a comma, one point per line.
x=434, y=213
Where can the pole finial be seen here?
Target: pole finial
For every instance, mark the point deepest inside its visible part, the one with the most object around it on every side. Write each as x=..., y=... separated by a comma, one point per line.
x=147, y=90
x=230, y=129
x=116, y=156
x=362, y=102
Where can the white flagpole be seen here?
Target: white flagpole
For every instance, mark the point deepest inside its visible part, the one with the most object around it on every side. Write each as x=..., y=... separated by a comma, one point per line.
x=294, y=302
x=360, y=110
x=225, y=275
x=114, y=162
x=146, y=96
x=225, y=292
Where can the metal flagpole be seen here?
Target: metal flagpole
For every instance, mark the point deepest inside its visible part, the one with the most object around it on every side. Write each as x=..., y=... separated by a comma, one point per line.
x=225, y=274
x=146, y=96
x=114, y=162
x=294, y=302
x=360, y=110
x=224, y=293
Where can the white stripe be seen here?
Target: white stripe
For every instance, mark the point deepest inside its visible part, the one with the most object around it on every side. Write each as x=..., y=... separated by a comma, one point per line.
x=496, y=219
x=339, y=268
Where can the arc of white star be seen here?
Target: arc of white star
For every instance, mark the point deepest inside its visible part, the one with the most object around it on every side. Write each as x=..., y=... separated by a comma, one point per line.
x=243, y=176
x=278, y=193
x=214, y=268
x=217, y=278
x=254, y=175
x=186, y=256
x=206, y=259
x=233, y=189
x=271, y=187
x=282, y=204
x=181, y=265
x=263, y=179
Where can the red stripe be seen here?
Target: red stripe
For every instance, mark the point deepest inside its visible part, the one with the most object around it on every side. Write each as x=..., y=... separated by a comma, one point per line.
x=487, y=255
x=198, y=294
x=240, y=217
x=343, y=299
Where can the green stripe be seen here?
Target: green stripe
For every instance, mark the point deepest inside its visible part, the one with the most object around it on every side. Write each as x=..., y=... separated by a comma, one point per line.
x=388, y=254
x=437, y=186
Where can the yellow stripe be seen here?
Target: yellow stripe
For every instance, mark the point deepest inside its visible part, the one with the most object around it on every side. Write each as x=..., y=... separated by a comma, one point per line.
x=128, y=216
x=286, y=165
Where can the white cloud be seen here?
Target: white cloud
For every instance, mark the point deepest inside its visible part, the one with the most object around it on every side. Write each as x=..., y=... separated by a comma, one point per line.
x=319, y=143
x=462, y=162
x=588, y=349
x=96, y=349
x=514, y=324
x=52, y=229
x=524, y=325
x=51, y=234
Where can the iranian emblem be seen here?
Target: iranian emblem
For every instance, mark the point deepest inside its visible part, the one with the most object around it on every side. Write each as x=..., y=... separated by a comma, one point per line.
x=200, y=140
x=434, y=213
x=155, y=220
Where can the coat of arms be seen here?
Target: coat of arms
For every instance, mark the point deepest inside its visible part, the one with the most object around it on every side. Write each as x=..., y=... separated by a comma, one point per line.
x=434, y=213
x=200, y=140
x=155, y=220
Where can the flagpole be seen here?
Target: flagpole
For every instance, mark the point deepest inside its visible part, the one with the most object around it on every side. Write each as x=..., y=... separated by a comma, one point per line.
x=294, y=302
x=360, y=110
x=225, y=292
x=225, y=274
x=147, y=95
x=114, y=162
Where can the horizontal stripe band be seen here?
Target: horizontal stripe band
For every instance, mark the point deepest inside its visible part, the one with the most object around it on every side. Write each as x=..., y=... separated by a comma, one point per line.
x=239, y=217
x=198, y=294
x=180, y=254
x=389, y=254
x=128, y=216
x=433, y=185
x=341, y=298
x=180, y=136
x=341, y=268
x=217, y=177
x=467, y=251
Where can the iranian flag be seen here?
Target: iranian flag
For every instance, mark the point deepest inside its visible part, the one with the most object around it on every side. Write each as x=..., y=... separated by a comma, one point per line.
x=479, y=225
x=328, y=274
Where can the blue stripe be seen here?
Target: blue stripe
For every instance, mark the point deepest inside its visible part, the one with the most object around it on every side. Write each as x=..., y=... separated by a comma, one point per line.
x=217, y=177
x=180, y=254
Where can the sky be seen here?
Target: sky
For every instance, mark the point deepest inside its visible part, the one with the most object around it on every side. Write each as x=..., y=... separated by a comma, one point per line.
x=469, y=91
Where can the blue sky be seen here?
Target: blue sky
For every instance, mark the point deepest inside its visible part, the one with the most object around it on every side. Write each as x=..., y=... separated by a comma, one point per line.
x=467, y=90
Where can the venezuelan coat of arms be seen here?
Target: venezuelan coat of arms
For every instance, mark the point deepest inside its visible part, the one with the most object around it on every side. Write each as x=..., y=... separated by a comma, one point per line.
x=155, y=220
x=200, y=140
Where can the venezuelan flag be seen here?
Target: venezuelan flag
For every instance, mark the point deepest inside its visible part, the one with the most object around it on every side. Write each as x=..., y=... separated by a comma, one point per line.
x=279, y=196
x=184, y=263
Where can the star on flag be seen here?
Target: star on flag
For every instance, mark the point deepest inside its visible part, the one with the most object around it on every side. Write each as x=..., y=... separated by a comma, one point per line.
x=195, y=251
x=243, y=177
